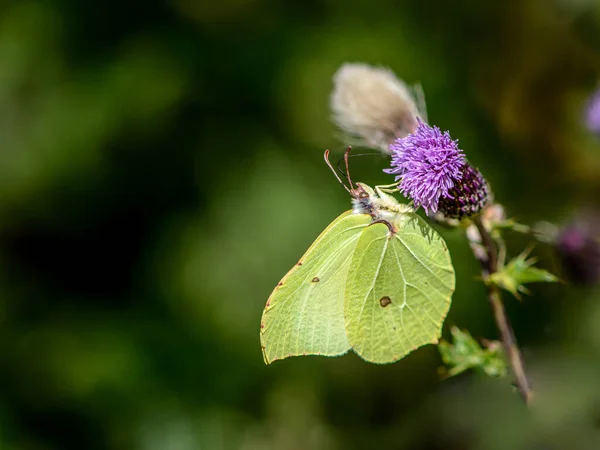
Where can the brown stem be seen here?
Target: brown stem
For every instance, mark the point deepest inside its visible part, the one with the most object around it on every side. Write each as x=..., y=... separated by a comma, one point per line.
x=489, y=265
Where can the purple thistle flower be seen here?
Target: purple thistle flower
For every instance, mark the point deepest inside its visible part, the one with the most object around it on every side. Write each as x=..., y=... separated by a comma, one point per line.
x=578, y=246
x=592, y=116
x=434, y=173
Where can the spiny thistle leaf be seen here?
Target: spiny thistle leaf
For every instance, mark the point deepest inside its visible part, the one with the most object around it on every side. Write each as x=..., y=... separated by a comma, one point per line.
x=520, y=271
x=465, y=353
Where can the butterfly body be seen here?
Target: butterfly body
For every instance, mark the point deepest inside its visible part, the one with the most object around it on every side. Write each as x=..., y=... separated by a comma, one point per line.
x=376, y=203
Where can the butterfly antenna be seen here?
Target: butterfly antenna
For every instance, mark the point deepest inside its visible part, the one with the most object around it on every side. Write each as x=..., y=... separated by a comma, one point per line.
x=339, y=168
x=335, y=173
x=339, y=163
x=346, y=156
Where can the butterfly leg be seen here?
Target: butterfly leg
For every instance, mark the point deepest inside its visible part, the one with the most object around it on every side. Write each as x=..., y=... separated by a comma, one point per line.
x=390, y=202
x=389, y=188
x=393, y=185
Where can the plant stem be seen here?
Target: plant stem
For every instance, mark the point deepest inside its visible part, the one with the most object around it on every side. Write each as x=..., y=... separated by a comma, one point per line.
x=489, y=265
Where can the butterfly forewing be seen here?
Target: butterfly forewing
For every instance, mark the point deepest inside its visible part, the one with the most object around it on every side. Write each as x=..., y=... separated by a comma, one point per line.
x=305, y=313
x=398, y=291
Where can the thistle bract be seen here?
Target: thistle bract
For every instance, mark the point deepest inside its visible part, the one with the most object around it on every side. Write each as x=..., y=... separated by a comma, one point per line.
x=434, y=173
x=468, y=196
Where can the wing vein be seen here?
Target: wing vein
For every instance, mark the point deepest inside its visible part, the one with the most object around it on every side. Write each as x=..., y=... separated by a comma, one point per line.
x=405, y=300
x=322, y=265
x=422, y=263
x=376, y=274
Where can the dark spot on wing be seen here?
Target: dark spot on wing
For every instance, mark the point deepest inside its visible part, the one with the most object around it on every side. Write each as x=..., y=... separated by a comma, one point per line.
x=280, y=284
x=315, y=280
x=299, y=263
x=384, y=301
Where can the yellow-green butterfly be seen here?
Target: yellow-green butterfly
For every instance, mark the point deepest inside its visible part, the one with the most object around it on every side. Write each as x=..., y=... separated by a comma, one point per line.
x=378, y=280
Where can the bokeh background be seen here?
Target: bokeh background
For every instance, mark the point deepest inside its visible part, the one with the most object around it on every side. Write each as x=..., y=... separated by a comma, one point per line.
x=161, y=169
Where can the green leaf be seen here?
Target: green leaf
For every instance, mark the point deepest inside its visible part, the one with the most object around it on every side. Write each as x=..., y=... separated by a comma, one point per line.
x=399, y=289
x=465, y=353
x=520, y=271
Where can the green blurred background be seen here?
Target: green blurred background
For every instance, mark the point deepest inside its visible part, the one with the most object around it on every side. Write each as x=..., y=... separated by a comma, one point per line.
x=161, y=169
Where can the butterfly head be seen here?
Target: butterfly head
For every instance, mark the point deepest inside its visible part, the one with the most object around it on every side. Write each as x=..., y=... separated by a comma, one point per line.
x=362, y=195
x=363, y=199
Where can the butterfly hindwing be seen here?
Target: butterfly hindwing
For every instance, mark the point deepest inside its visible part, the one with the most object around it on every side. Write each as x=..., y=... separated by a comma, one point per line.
x=304, y=314
x=398, y=289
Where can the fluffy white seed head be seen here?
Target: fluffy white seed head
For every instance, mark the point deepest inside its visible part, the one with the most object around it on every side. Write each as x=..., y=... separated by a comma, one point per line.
x=373, y=107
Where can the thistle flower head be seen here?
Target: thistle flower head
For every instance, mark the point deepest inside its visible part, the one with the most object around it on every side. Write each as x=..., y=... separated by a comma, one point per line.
x=434, y=173
x=373, y=106
x=592, y=114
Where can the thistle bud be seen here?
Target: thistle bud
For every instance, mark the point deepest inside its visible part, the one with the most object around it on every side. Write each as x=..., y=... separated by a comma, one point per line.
x=468, y=196
x=434, y=173
x=373, y=106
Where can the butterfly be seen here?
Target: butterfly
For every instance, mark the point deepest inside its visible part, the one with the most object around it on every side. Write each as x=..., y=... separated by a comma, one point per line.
x=378, y=280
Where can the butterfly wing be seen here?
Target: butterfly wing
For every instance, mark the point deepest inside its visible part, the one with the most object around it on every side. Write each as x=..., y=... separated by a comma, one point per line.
x=305, y=313
x=398, y=290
